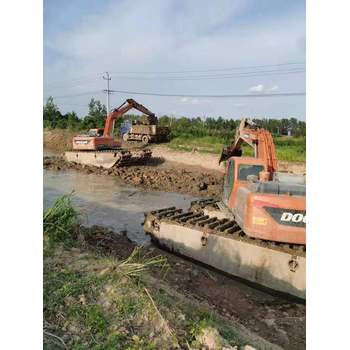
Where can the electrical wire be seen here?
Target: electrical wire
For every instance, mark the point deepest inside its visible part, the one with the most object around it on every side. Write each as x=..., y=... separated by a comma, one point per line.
x=78, y=95
x=220, y=76
x=74, y=85
x=252, y=95
x=209, y=70
x=95, y=76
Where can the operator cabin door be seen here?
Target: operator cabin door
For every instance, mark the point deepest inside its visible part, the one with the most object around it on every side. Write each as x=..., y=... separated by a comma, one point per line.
x=229, y=181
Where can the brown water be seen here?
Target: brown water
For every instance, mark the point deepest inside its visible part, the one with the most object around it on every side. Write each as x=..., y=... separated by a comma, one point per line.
x=107, y=201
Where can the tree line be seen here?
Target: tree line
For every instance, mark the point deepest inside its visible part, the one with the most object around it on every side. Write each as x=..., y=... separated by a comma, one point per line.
x=196, y=127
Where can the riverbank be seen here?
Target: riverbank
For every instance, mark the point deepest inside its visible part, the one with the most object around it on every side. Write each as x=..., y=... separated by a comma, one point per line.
x=153, y=176
x=98, y=296
x=101, y=291
x=190, y=156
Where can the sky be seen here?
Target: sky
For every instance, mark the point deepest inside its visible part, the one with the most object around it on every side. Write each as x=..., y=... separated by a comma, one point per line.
x=178, y=47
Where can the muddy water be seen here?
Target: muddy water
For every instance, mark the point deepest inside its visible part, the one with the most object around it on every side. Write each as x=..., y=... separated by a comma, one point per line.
x=107, y=201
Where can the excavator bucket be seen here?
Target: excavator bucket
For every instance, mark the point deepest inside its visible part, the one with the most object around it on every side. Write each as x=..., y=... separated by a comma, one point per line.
x=228, y=152
x=110, y=158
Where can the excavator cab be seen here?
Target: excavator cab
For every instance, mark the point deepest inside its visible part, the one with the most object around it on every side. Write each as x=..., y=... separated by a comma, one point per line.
x=95, y=132
x=239, y=172
x=267, y=209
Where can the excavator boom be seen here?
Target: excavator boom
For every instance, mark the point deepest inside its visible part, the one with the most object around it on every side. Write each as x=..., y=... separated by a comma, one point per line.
x=98, y=147
x=259, y=139
x=119, y=112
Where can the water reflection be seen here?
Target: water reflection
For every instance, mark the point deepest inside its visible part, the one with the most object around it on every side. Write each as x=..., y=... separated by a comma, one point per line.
x=107, y=201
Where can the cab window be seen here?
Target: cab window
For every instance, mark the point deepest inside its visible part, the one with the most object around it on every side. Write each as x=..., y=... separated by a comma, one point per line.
x=229, y=180
x=230, y=177
x=244, y=170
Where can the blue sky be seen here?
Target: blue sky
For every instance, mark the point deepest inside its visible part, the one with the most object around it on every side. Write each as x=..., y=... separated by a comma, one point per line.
x=84, y=38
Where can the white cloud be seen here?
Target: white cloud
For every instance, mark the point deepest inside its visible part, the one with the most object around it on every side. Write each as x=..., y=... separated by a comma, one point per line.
x=166, y=36
x=274, y=88
x=194, y=100
x=257, y=88
x=262, y=89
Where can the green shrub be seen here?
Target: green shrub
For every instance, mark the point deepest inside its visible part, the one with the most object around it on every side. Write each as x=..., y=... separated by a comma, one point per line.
x=60, y=220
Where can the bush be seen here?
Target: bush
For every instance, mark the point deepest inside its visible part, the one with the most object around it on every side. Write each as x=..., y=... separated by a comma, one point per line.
x=60, y=220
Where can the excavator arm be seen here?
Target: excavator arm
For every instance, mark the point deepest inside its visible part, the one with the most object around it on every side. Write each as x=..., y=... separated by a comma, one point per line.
x=119, y=112
x=259, y=139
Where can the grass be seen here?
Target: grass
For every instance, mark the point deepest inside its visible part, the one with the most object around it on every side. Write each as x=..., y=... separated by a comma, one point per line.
x=93, y=300
x=292, y=149
x=206, y=144
x=97, y=302
x=59, y=220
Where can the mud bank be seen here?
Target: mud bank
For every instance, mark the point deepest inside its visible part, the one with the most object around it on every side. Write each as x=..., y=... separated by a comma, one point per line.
x=279, y=321
x=152, y=177
x=61, y=140
x=58, y=140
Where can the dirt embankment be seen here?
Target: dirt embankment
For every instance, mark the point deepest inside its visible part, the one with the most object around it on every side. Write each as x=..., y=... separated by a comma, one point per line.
x=156, y=177
x=195, y=158
x=61, y=140
x=273, y=318
x=58, y=140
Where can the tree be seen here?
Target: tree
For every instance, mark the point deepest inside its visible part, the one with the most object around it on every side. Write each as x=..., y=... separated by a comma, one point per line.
x=164, y=120
x=72, y=121
x=51, y=114
x=96, y=116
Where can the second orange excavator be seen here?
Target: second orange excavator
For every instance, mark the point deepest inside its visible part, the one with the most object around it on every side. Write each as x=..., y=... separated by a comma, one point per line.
x=256, y=231
x=99, y=148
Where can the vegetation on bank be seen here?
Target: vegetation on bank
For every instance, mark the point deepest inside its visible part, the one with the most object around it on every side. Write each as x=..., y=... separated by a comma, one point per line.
x=292, y=149
x=95, y=300
x=206, y=135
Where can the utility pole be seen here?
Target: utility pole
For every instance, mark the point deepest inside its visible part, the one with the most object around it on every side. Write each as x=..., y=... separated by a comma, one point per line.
x=107, y=91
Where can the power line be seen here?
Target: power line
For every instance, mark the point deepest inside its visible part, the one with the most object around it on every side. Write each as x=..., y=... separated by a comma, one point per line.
x=98, y=74
x=84, y=78
x=196, y=77
x=220, y=76
x=210, y=70
x=77, y=95
x=83, y=83
x=251, y=95
x=211, y=96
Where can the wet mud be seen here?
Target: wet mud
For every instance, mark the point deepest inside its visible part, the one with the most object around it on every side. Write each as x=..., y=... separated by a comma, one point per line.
x=152, y=177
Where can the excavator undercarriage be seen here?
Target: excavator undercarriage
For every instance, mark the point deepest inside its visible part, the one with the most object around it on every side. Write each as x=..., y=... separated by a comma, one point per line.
x=209, y=235
x=109, y=158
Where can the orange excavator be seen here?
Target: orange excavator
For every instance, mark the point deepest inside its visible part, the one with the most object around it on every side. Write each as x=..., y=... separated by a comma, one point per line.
x=98, y=147
x=266, y=204
x=257, y=230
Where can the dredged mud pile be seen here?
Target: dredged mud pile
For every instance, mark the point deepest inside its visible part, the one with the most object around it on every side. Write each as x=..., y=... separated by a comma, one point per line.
x=150, y=177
